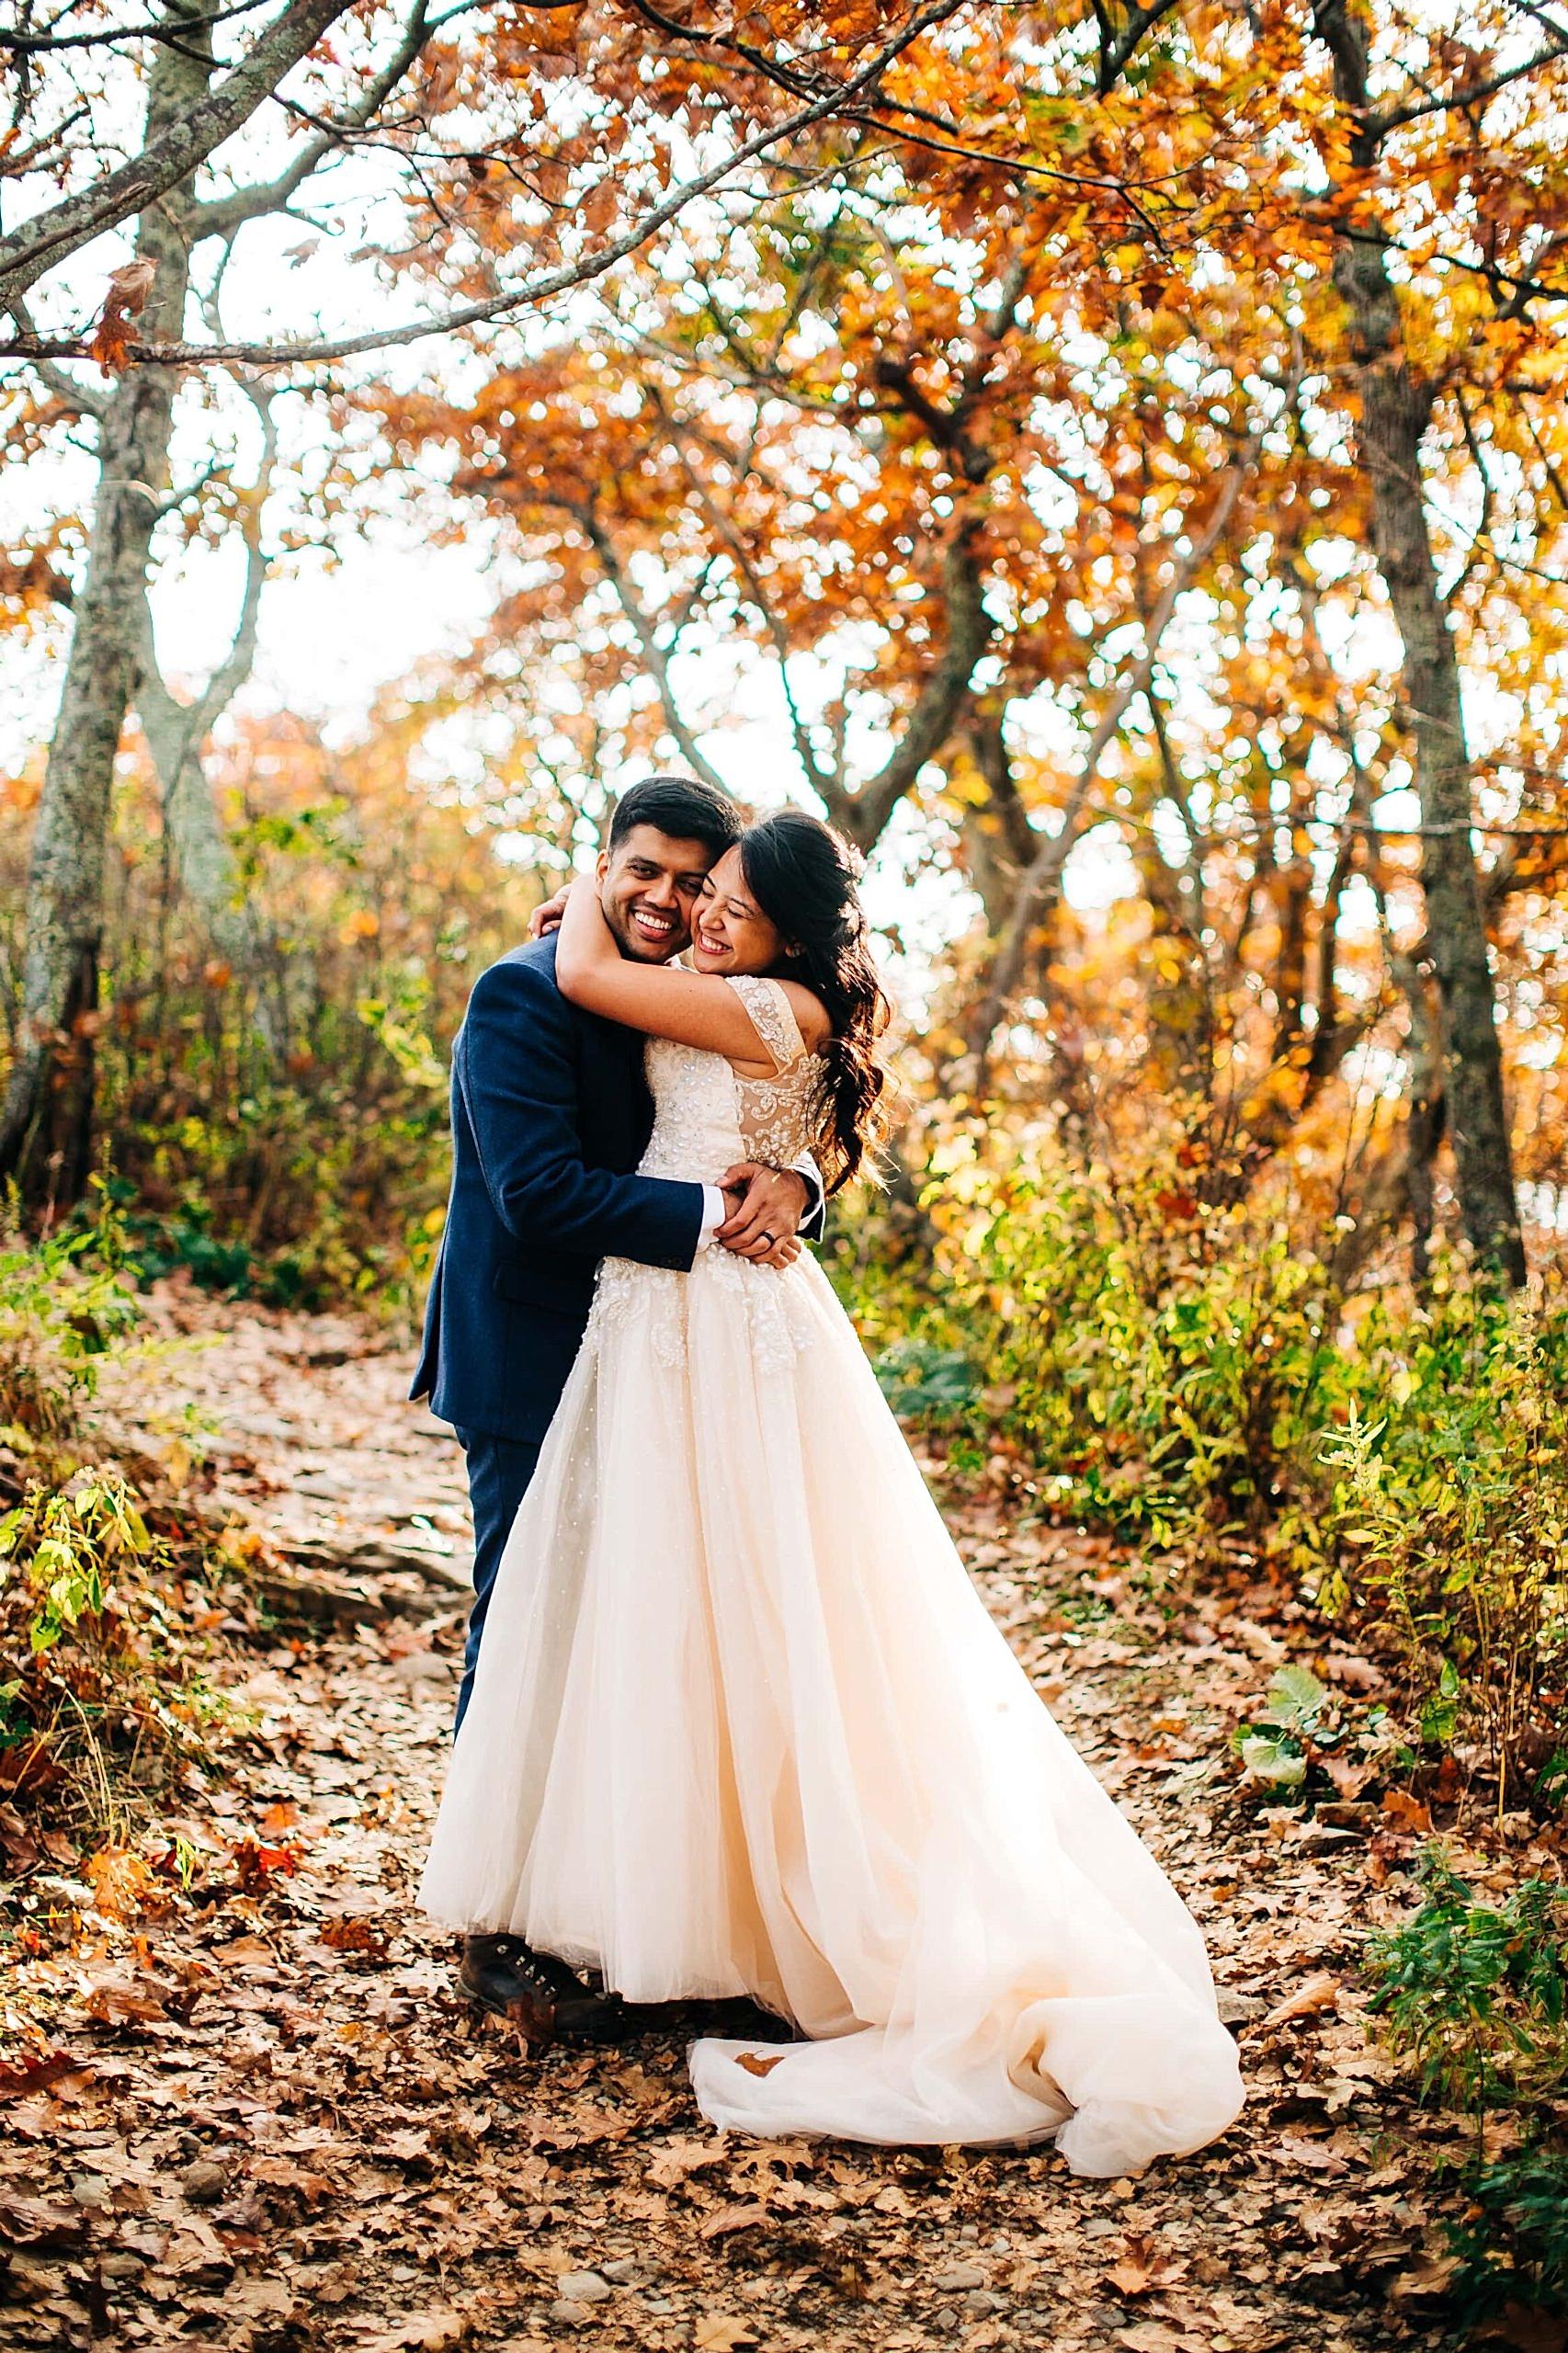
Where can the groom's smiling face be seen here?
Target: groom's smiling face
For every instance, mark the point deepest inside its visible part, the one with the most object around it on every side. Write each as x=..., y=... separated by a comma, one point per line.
x=648, y=887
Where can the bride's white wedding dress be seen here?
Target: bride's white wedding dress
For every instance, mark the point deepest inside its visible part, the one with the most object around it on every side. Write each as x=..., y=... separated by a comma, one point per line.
x=743, y=1725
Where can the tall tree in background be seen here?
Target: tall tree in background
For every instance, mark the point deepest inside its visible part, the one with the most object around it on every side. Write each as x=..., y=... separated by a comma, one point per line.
x=1396, y=395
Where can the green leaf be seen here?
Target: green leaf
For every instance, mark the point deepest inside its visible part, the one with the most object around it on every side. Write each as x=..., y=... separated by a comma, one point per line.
x=1277, y=1762
x=1295, y=1698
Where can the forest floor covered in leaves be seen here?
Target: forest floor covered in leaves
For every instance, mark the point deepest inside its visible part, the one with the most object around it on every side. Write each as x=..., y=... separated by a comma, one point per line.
x=243, y=2106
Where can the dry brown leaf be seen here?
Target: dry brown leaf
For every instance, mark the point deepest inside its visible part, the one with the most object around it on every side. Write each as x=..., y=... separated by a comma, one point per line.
x=1321, y=2156
x=129, y=288
x=755, y=2064
x=424, y=2333
x=1320, y=1991
x=121, y=1880
x=682, y=2158
x=890, y=2200
x=1429, y=2276
x=1355, y=1674
x=720, y=2333
x=1145, y=2265
x=34, y=2221
x=241, y=1950
x=730, y=2219
x=37, y=2073
x=261, y=2299
x=118, y=2001
x=355, y=1936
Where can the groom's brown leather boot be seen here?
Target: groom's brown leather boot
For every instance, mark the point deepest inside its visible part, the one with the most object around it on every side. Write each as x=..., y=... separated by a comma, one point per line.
x=539, y=1993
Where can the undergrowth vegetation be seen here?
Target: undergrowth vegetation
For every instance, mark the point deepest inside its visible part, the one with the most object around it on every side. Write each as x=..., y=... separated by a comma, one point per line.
x=114, y=1594
x=276, y=1116
x=1474, y=1995
x=1186, y=1371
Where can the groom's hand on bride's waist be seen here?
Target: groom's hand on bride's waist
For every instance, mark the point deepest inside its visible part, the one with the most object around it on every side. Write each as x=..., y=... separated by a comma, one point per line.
x=766, y=1206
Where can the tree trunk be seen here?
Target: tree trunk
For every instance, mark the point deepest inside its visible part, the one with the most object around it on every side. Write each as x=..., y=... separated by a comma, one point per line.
x=46, y=1126
x=998, y=839
x=1395, y=411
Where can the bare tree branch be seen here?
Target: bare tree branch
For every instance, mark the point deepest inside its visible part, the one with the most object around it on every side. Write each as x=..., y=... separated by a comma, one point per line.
x=83, y=398
x=48, y=239
x=1117, y=47
x=828, y=782
x=581, y=272
x=1448, y=101
x=222, y=215
x=940, y=699
x=176, y=733
x=653, y=653
x=1044, y=874
x=109, y=36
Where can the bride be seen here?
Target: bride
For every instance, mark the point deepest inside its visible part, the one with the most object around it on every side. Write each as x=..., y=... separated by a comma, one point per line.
x=753, y=1733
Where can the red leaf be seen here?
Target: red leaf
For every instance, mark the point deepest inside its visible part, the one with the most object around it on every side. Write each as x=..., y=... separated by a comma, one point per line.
x=36, y=2075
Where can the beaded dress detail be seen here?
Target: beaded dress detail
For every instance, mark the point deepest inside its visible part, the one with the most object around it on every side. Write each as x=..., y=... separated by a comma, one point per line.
x=742, y=1724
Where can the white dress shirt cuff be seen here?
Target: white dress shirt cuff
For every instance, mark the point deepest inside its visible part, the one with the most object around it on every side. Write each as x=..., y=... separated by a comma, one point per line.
x=811, y=1176
x=715, y=1209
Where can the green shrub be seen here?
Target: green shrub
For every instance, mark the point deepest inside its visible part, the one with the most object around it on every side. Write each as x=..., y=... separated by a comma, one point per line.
x=65, y=1304
x=1512, y=2241
x=1450, y=1512
x=1474, y=1997
x=102, y=1587
x=1159, y=1366
x=1181, y=1369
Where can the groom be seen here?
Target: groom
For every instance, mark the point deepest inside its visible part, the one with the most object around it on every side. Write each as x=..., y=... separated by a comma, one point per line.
x=551, y=1114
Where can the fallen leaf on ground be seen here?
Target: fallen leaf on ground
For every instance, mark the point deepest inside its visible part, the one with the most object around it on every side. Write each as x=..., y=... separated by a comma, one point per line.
x=35, y=2074
x=1320, y=1992
x=721, y=2334
x=730, y=2219
x=1144, y=2265
x=423, y=2333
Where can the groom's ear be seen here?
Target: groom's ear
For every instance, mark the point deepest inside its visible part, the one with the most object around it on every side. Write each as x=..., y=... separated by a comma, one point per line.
x=601, y=866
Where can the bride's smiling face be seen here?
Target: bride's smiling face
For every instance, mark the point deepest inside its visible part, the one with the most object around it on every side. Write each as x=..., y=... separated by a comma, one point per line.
x=729, y=931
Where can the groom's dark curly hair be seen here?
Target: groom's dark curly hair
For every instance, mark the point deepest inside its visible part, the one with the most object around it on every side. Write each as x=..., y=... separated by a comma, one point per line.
x=680, y=806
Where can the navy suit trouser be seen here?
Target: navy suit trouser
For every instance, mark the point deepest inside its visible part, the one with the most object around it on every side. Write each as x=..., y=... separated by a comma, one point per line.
x=499, y=1469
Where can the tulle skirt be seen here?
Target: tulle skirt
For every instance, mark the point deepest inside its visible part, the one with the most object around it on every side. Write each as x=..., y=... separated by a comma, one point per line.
x=743, y=1725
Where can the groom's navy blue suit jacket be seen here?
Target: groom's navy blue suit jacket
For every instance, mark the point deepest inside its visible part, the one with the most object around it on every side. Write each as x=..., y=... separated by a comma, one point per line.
x=550, y=1113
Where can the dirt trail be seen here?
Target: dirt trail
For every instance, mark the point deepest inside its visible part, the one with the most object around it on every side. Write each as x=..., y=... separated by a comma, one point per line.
x=278, y=2130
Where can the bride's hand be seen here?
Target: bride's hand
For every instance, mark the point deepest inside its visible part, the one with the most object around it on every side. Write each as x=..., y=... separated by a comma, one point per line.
x=547, y=918
x=769, y=1204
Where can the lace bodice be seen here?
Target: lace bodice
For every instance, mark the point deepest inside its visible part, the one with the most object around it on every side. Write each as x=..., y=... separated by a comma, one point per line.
x=706, y=1117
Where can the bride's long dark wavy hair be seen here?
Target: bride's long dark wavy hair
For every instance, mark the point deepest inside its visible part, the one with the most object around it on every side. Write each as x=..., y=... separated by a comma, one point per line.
x=802, y=876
